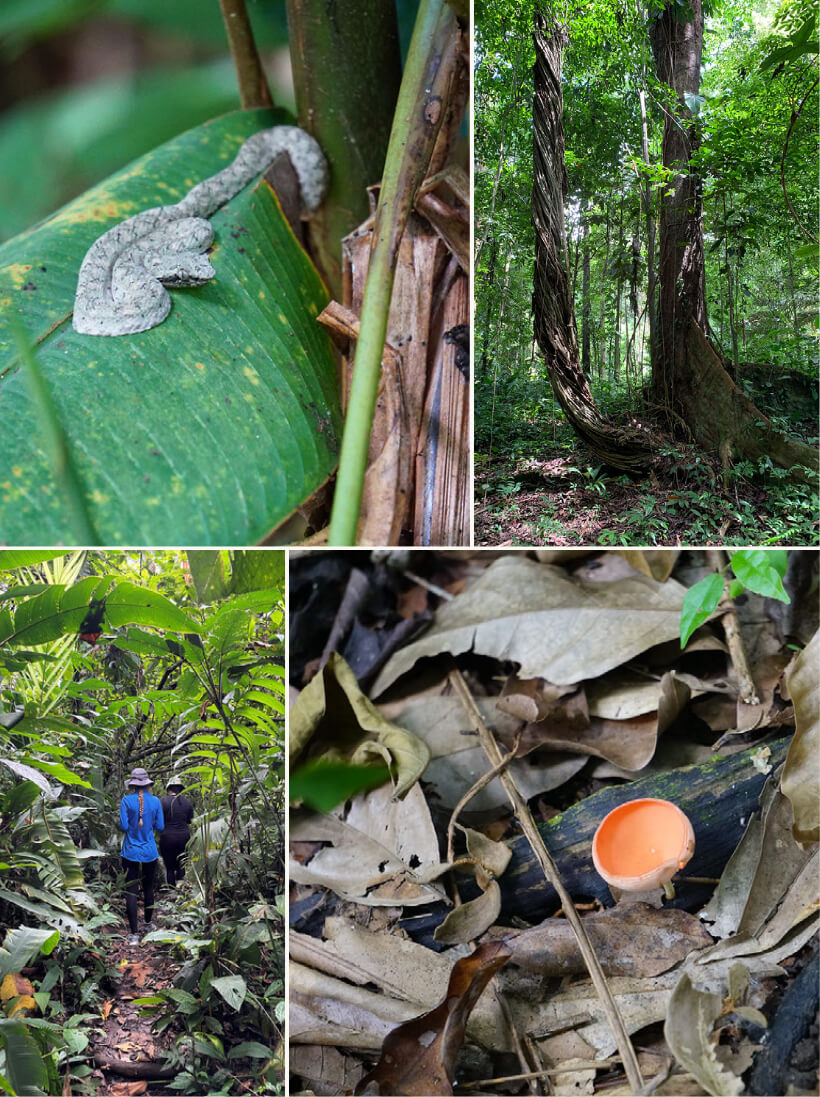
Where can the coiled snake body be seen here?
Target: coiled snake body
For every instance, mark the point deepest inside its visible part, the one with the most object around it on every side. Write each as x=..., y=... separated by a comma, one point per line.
x=121, y=287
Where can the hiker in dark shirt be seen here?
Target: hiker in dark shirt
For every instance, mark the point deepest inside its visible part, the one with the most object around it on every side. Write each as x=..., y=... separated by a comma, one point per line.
x=178, y=812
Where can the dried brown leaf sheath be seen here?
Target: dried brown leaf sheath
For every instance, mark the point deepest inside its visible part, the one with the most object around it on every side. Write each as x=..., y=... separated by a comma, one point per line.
x=419, y=1056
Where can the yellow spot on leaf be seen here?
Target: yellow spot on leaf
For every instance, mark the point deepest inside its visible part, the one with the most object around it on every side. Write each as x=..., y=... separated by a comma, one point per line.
x=100, y=497
x=262, y=295
x=18, y=273
x=251, y=375
x=17, y=471
x=199, y=365
x=282, y=318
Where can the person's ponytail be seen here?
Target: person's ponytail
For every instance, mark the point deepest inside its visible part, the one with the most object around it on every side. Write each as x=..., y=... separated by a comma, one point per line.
x=141, y=795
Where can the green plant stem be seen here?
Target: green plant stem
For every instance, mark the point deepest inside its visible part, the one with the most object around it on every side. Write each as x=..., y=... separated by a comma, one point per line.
x=420, y=110
x=253, y=84
x=56, y=445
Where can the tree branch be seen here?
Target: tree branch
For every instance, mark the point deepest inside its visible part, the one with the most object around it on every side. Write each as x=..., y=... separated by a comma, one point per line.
x=253, y=84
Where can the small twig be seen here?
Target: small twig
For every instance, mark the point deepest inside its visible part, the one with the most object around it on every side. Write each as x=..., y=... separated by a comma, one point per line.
x=516, y=1039
x=608, y=1003
x=570, y=1067
x=734, y=641
x=481, y=783
x=253, y=84
x=422, y=582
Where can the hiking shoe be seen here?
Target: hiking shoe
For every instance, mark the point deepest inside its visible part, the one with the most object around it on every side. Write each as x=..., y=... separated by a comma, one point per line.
x=134, y=939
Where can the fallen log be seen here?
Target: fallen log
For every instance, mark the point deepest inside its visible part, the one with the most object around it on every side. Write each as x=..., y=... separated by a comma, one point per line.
x=719, y=796
x=127, y=1068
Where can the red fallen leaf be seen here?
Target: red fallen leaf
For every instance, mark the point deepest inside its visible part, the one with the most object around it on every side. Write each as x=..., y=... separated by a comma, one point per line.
x=419, y=1057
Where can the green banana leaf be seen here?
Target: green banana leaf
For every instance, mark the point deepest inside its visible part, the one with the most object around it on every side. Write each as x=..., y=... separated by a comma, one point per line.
x=206, y=430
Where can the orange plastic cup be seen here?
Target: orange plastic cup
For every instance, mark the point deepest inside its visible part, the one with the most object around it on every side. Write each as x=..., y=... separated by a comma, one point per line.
x=642, y=844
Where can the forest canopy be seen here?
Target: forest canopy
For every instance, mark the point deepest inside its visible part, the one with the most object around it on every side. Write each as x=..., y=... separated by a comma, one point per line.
x=744, y=173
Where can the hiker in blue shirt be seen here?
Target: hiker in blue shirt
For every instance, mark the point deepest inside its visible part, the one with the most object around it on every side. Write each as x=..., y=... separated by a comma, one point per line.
x=140, y=816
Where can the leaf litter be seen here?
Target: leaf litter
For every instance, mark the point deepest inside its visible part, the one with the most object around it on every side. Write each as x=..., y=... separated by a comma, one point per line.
x=582, y=683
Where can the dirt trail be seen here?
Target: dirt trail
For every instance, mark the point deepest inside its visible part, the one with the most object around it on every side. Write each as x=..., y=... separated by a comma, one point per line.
x=127, y=1053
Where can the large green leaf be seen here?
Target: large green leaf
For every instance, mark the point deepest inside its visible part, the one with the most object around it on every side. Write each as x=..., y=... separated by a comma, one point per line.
x=24, y=1063
x=233, y=989
x=11, y=559
x=254, y=570
x=22, y=944
x=208, y=429
x=60, y=610
x=209, y=570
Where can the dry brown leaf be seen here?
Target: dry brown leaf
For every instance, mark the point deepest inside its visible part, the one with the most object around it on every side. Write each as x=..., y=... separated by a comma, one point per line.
x=105, y=1008
x=469, y=920
x=656, y=563
x=383, y=851
x=419, y=1057
x=332, y=718
x=457, y=761
x=692, y=1013
x=560, y=1051
x=801, y=775
x=635, y=940
x=16, y=986
x=325, y=1069
x=629, y=743
x=530, y=699
x=329, y=1011
x=128, y=1089
x=554, y=626
x=768, y=886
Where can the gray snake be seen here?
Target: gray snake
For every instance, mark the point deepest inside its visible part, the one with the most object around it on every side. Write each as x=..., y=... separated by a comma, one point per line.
x=121, y=286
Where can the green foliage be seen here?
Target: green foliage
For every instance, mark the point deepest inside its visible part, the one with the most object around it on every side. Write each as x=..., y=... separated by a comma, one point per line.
x=758, y=570
x=189, y=689
x=760, y=274
x=325, y=783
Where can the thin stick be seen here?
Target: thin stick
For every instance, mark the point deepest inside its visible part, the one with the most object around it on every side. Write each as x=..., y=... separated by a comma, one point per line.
x=571, y=1066
x=731, y=628
x=608, y=1003
x=483, y=780
x=253, y=84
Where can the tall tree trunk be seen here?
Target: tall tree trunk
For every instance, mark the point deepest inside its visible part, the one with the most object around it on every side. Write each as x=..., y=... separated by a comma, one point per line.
x=650, y=225
x=585, y=300
x=602, y=314
x=688, y=376
x=485, y=332
x=624, y=448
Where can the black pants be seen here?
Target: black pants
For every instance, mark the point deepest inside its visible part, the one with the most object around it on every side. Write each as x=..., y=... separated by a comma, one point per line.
x=133, y=871
x=172, y=848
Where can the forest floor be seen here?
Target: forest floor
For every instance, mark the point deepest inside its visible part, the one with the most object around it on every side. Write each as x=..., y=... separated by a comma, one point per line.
x=129, y=1056
x=366, y=886
x=553, y=501
x=541, y=486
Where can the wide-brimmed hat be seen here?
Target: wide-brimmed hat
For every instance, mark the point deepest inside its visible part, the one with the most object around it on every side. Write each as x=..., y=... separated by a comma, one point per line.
x=139, y=777
x=175, y=782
